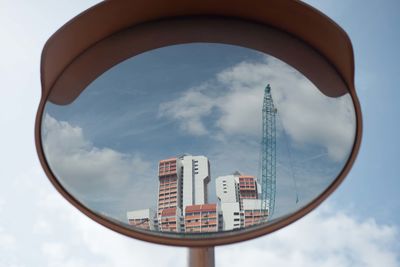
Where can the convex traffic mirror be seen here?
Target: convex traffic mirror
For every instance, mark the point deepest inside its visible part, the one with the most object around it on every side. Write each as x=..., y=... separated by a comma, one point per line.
x=199, y=125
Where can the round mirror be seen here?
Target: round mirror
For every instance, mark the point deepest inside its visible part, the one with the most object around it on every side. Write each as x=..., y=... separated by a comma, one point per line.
x=198, y=139
x=201, y=125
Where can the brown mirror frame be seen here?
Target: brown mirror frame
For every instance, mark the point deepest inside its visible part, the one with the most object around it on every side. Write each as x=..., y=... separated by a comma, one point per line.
x=152, y=35
x=85, y=47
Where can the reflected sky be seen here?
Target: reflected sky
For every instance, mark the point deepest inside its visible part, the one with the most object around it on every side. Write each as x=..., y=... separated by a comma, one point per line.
x=200, y=99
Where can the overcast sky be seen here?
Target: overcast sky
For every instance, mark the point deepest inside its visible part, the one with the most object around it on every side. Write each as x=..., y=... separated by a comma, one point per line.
x=358, y=225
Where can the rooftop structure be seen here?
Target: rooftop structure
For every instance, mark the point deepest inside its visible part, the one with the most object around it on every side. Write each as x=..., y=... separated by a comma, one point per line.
x=143, y=219
x=247, y=188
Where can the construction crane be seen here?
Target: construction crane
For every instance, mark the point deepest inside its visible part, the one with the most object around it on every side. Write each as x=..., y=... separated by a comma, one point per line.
x=268, y=153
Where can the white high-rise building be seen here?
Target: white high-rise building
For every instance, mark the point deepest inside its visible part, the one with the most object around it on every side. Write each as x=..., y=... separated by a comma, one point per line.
x=238, y=197
x=183, y=182
x=227, y=188
x=231, y=216
x=195, y=179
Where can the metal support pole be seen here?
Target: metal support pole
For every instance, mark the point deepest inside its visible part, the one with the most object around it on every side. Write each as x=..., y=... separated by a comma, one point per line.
x=201, y=257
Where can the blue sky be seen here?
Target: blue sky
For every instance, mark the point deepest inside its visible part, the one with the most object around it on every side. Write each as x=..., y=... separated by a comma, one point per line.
x=358, y=225
x=375, y=35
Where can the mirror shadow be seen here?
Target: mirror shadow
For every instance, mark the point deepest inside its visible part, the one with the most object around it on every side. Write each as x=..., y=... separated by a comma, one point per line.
x=198, y=138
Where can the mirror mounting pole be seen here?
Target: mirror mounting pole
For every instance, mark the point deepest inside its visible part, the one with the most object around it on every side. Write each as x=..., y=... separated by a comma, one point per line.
x=201, y=257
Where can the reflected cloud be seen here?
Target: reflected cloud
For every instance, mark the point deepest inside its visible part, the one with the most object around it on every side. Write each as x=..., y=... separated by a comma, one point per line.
x=308, y=116
x=96, y=175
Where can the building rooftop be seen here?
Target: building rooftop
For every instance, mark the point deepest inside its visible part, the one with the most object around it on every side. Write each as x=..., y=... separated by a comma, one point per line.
x=202, y=208
x=168, y=212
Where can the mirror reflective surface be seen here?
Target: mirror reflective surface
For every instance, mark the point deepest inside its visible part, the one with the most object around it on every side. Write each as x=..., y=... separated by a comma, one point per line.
x=198, y=138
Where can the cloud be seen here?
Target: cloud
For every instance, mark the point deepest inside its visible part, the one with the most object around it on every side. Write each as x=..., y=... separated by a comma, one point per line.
x=189, y=110
x=54, y=250
x=2, y=203
x=7, y=241
x=103, y=178
x=325, y=238
x=41, y=226
x=308, y=117
x=73, y=240
x=86, y=243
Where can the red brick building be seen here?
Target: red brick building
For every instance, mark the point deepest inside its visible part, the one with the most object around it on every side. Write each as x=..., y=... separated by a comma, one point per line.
x=247, y=188
x=168, y=187
x=201, y=218
x=169, y=220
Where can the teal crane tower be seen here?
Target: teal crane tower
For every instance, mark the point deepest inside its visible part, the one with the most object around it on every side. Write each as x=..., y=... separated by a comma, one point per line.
x=268, y=153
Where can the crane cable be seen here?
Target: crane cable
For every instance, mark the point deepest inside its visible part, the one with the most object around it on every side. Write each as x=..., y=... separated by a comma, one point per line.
x=286, y=141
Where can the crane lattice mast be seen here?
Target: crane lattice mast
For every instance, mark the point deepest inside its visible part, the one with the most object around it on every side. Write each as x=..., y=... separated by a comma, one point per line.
x=268, y=147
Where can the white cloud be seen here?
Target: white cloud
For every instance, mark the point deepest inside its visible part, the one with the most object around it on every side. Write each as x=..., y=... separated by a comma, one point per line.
x=8, y=248
x=42, y=227
x=54, y=250
x=2, y=203
x=86, y=243
x=73, y=240
x=309, y=117
x=325, y=238
x=7, y=241
x=189, y=110
x=72, y=156
x=95, y=174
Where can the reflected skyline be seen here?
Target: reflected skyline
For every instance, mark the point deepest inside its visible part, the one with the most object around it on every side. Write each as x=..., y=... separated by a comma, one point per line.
x=182, y=201
x=199, y=99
